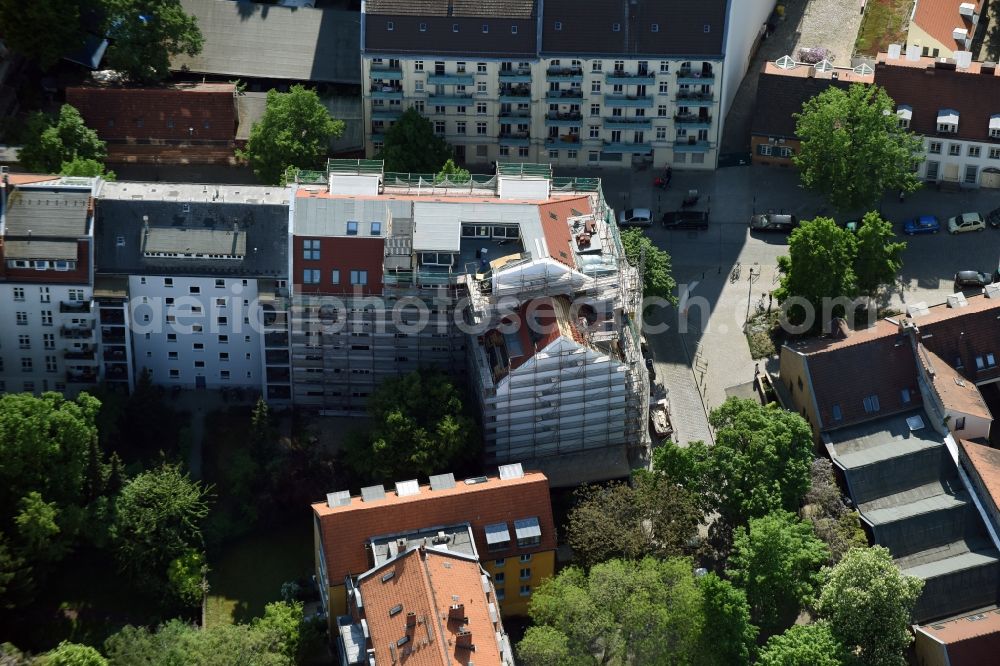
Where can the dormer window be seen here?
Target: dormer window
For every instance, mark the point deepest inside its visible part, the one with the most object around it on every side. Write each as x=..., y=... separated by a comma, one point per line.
x=655, y=27
x=947, y=121
x=558, y=26
x=390, y=26
x=904, y=114
x=423, y=27
x=616, y=27
x=995, y=126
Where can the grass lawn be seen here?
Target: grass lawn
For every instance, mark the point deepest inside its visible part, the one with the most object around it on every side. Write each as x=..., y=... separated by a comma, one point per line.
x=884, y=23
x=249, y=572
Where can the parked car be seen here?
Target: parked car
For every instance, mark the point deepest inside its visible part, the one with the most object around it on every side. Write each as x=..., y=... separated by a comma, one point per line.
x=925, y=224
x=966, y=222
x=993, y=218
x=773, y=222
x=651, y=369
x=635, y=217
x=967, y=279
x=686, y=219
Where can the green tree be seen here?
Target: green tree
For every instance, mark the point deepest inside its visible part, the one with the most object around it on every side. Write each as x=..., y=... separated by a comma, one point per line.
x=37, y=528
x=282, y=622
x=819, y=266
x=453, y=173
x=295, y=131
x=879, y=257
x=145, y=34
x=853, y=148
x=652, y=517
x=646, y=612
x=838, y=527
x=657, y=277
x=48, y=144
x=804, y=645
x=44, y=30
x=159, y=515
x=759, y=464
x=418, y=428
x=85, y=167
x=186, y=577
x=72, y=654
x=869, y=604
x=728, y=637
x=777, y=562
x=545, y=646
x=411, y=146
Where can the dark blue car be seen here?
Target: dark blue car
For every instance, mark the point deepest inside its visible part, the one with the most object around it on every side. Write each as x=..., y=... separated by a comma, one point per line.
x=925, y=224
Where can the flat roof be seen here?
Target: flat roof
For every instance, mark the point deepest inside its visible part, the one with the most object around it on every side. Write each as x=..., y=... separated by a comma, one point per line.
x=874, y=441
x=447, y=538
x=45, y=212
x=39, y=249
x=185, y=241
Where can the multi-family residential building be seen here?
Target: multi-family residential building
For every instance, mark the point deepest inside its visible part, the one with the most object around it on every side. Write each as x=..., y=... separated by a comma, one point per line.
x=504, y=522
x=622, y=82
x=47, y=338
x=518, y=278
x=942, y=28
x=429, y=601
x=187, y=278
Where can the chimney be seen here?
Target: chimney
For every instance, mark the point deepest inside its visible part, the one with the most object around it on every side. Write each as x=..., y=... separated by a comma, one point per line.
x=945, y=63
x=463, y=639
x=967, y=9
x=456, y=612
x=411, y=620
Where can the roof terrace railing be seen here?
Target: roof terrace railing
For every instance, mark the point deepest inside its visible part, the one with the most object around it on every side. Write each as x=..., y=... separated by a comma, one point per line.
x=358, y=167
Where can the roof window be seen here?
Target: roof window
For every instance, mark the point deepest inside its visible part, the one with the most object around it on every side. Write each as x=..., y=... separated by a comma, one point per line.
x=904, y=113
x=707, y=28
x=995, y=126
x=558, y=26
x=655, y=27
x=486, y=28
x=390, y=26
x=423, y=27
x=454, y=27
x=616, y=27
x=513, y=29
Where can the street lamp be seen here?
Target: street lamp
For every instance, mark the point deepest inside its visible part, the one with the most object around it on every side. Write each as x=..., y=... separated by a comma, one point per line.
x=750, y=281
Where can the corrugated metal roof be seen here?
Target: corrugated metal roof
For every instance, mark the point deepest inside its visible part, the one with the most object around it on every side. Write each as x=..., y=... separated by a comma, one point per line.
x=45, y=213
x=40, y=250
x=267, y=41
x=325, y=216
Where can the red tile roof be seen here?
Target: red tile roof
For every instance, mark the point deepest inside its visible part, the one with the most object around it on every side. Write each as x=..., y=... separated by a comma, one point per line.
x=120, y=114
x=971, y=640
x=549, y=322
x=344, y=530
x=986, y=461
x=427, y=582
x=557, y=234
x=938, y=18
x=928, y=90
x=29, y=178
x=956, y=392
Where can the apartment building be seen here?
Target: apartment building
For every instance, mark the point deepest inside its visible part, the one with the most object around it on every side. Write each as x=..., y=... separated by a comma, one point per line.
x=429, y=603
x=623, y=82
x=942, y=28
x=187, y=278
x=504, y=522
x=518, y=279
x=47, y=338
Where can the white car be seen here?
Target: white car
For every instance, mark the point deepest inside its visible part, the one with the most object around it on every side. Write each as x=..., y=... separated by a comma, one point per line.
x=966, y=222
x=635, y=217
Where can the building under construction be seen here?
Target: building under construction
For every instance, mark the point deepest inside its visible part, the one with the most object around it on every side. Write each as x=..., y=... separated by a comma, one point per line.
x=517, y=279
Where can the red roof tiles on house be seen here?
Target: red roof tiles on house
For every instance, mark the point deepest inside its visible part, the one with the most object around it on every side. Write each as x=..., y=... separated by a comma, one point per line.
x=986, y=461
x=179, y=113
x=939, y=18
x=427, y=582
x=344, y=530
x=554, y=216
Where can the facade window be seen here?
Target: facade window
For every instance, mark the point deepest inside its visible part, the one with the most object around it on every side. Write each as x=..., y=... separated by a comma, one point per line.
x=49, y=340
x=22, y=318
x=481, y=108
x=500, y=594
x=553, y=154
x=480, y=67
x=498, y=578
x=310, y=251
x=837, y=415
x=504, y=151
x=960, y=423
x=664, y=88
x=499, y=563
x=310, y=276
x=661, y=111
x=481, y=87
x=335, y=276
x=418, y=65
x=418, y=86
x=481, y=129
x=594, y=131
x=24, y=342
x=460, y=127
x=525, y=558
x=661, y=133
x=175, y=373
x=168, y=282
x=43, y=293
x=995, y=153
x=199, y=364
x=932, y=170
x=975, y=151
x=955, y=149
x=934, y=147
x=359, y=277
x=664, y=67
x=352, y=228
x=194, y=290
x=223, y=374
x=50, y=364
x=595, y=86
x=525, y=591
x=526, y=573
x=439, y=127
x=523, y=151
x=172, y=356
x=26, y=364
x=571, y=154
x=871, y=404
x=18, y=293
x=596, y=65
x=46, y=317
x=971, y=174
x=224, y=356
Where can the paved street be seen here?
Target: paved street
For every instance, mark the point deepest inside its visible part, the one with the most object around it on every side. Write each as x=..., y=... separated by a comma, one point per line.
x=703, y=262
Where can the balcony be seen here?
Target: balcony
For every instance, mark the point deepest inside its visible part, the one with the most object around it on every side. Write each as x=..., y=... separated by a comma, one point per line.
x=515, y=114
x=617, y=122
x=692, y=146
x=114, y=355
x=515, y=76
x=693, y=121
x=114, y=317
x=628, y=101
x=450, y=79
x=76, y=307
x=515, y=93
x=563, y=119
x=382, y=113
x=622, y=147
x=692, y=98
x=571, y=140
x=386, y=73
x=564, y=73
x=564, y=96
x=456, y=99
x=629, y=79
x=514, y=138
x=688, y=75
x=81, y=377
x=386, y=92
x=272, y=340
x=112, y=335
x=116, y=372
x=77, y=333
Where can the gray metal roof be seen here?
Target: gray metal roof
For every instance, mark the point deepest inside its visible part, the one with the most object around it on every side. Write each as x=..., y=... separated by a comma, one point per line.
x=267, y=41
x=120, y=228
x=325, y=216
x=680, y=27
x=188, y=241
x=456, y=35
x=39, y=249
x=44, y=213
